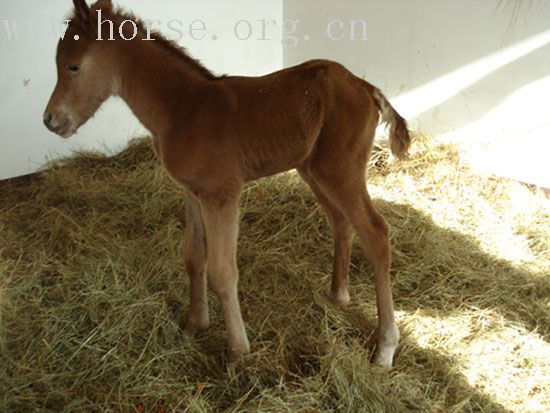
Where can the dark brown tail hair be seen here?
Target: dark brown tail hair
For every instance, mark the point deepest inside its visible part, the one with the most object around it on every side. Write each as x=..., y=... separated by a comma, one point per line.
x=400, y=138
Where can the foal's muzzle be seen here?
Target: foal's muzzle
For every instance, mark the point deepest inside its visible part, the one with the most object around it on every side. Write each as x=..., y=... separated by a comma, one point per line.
x=58, y=127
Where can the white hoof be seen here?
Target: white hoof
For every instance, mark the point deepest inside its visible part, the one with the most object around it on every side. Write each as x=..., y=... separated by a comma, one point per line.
x=340, y=297
x=384, y=357
x=237, y=353
x=387, y=343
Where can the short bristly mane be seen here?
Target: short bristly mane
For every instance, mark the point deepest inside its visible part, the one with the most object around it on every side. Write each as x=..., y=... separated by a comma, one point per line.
x=171, y=48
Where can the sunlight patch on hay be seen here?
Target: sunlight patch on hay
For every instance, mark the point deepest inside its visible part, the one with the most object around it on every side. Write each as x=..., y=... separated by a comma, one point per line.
x=491, y=354
x=511, y=358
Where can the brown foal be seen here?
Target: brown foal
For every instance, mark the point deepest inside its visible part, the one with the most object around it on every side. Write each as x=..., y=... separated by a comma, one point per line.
x=215, y=134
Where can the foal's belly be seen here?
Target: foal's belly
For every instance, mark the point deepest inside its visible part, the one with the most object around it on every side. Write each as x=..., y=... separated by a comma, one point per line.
x=269, y=155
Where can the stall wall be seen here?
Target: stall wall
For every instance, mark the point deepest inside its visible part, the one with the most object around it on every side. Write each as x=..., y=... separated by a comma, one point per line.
x=472, y=72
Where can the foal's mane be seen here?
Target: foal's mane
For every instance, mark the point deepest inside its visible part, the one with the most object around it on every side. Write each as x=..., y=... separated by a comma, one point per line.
x=171, y=48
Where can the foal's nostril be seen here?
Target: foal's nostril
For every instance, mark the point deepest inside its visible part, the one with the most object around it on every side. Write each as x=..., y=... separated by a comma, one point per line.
x=47, y=119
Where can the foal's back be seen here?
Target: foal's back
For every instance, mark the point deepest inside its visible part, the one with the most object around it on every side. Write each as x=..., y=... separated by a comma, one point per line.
x=272, y=123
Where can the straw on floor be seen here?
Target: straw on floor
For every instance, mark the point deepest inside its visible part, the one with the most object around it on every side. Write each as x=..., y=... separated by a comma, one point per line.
x=93, y=294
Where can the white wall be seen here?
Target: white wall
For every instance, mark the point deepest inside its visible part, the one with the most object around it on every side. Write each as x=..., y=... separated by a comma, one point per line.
x=467, y=71
x=29, y=75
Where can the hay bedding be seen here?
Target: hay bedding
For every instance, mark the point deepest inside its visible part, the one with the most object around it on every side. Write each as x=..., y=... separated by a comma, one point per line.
x=93, y=295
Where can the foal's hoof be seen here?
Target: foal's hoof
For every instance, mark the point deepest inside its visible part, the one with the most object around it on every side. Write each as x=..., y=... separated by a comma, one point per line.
x=237, y=358
x=340, y=298
x=386, y=348
x=192, y=327
x=384, y=358
x=237, y=354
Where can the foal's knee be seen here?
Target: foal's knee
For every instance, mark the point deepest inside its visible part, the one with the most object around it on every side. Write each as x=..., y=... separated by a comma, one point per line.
x=223, y=279
x=194, y=253
x=194, y=266
x=194, y=258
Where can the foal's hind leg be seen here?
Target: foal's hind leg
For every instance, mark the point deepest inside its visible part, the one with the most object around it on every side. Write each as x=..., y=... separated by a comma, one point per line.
x=194, y=251
x=338, y=168
x=373, y=232
x=342, y=233
x=353, y=199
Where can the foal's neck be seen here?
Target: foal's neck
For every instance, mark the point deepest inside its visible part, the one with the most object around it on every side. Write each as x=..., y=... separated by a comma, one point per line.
x=157, y=86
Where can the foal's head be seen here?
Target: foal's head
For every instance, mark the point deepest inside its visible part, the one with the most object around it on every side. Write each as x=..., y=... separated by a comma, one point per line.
x=84, y=77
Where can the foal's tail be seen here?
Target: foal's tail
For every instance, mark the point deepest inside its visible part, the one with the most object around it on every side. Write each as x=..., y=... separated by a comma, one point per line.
x=400, y=139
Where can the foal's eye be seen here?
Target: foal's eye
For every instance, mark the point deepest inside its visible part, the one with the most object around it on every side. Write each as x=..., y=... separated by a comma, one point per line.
x=73, y=68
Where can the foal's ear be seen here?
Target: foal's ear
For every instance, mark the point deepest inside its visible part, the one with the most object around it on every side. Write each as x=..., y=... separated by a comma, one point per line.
x=82, y=10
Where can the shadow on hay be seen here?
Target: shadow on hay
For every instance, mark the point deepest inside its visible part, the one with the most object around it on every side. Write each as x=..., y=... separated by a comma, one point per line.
x=443, y=272
x=124, y=280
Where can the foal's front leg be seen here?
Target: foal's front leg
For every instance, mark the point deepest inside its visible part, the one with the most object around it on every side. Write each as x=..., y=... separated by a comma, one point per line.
x=194, y=251
x=221, y=220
